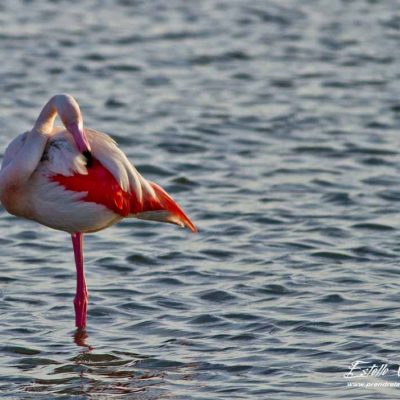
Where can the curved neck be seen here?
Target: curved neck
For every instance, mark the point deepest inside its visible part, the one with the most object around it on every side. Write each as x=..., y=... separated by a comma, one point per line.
x=67, y=109
x=45, y=120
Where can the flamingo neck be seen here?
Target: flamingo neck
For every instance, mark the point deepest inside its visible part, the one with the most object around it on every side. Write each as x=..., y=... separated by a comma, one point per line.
x=45, y=121
x=67, y=109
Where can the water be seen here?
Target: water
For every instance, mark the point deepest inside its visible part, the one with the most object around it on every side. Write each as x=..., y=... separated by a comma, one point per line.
x=276, y=127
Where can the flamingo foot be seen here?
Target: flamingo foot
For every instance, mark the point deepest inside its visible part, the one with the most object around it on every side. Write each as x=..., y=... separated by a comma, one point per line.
x=80, y=304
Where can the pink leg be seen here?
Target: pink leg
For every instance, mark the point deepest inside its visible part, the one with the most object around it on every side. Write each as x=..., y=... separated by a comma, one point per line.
x=81, y=297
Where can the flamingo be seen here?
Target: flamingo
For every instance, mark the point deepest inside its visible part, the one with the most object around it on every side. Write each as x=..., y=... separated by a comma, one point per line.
x=77, y=180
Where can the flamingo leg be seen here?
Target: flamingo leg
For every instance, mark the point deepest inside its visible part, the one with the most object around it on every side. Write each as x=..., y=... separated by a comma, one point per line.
x=81, y=297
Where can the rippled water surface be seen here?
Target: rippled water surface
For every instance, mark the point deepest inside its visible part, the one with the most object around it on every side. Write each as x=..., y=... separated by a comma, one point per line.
x=275, y=124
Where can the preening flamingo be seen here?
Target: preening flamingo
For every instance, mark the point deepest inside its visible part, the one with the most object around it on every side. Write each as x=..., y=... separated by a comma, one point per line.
x=77, y=180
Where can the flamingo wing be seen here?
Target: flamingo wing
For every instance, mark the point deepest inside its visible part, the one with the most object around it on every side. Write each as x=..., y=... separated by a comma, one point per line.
x=99, y=186
x=114, y=182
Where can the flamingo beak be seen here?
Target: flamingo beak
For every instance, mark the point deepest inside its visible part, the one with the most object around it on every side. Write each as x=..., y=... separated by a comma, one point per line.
x=79, y=135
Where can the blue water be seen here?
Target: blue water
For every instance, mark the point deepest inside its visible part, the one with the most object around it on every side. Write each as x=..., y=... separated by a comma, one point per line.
x=275, y=124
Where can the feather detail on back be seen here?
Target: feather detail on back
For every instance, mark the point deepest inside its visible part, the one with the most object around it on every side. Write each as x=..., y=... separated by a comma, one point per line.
x=112, y=158
x=97, y=186
x=111, y=181
x=62, y=157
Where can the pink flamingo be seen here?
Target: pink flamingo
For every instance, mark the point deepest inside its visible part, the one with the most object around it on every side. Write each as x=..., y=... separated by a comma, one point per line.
x=77, y=180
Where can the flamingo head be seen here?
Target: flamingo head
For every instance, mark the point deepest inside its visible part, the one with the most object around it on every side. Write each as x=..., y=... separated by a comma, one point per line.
x=70, y=114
